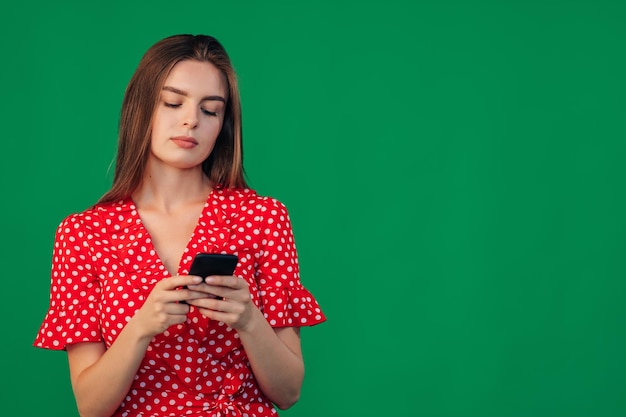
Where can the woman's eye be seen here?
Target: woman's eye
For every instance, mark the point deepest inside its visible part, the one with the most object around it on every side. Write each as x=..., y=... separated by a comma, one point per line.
x=209, y=113
x=172, y=105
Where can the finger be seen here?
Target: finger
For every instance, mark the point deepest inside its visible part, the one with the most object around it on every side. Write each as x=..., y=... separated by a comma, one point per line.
x=185, y=294
x=210, y=290
x=214, y=304
x=179, y=281
x=226, y=281
x=176, y=309
x=228, y=318
x=202, y=291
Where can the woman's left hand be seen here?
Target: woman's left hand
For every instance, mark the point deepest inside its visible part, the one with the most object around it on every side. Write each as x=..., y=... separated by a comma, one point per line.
x=228, y=300
x=275, y=355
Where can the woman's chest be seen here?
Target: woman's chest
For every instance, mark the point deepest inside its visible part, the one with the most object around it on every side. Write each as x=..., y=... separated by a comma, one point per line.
x=130, y=266
x=170, y=233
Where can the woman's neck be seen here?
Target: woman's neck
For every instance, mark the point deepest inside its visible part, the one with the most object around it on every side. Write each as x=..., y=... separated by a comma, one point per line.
x=167, y=188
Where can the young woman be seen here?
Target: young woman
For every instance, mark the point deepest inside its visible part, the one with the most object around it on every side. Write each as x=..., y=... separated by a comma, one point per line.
x=143, y=337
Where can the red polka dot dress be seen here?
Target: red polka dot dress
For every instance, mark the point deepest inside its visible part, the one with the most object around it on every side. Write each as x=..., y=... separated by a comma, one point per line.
x=105, y=266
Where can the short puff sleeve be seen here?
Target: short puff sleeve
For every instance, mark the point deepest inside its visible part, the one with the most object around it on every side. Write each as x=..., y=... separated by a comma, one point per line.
x=285, y=301
x=74, y=313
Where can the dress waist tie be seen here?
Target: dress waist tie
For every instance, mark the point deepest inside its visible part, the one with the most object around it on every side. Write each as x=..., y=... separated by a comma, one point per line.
x=226, y=407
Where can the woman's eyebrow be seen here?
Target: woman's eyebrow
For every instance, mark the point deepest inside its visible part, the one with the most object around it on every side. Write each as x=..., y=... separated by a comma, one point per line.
x=184, y=93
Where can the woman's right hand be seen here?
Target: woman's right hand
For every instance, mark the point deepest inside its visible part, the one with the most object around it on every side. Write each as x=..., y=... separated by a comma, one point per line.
x=101, y=377
x=163, y=307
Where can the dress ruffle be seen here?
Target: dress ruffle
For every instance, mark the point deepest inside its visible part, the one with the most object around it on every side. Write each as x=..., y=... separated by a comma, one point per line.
x=69, y=319
x=291, y=307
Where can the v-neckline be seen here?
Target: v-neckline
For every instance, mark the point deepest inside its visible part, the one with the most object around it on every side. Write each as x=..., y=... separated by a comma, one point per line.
x=153, y=249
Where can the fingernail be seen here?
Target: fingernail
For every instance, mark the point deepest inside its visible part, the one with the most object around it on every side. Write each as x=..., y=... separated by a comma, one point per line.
x=197, y=279
x=209, y=280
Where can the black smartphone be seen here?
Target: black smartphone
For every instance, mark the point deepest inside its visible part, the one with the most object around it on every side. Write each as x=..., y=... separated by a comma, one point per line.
x=205, y=264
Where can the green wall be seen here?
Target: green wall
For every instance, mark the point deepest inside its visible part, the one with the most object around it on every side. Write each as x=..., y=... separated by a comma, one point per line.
x=454, y=171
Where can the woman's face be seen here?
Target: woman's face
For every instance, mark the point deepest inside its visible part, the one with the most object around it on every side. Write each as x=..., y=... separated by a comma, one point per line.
x=189, y=115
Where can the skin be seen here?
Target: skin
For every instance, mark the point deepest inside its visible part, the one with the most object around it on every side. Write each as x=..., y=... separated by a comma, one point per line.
x=169, y=202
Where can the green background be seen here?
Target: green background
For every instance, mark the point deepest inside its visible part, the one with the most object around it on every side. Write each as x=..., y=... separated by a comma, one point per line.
x=454, y=171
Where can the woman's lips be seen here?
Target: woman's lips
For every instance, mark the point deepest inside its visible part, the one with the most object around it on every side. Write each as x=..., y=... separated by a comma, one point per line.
x=186, y=142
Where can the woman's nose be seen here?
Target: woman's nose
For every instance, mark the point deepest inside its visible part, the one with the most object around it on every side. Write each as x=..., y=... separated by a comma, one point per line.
x=190, y=120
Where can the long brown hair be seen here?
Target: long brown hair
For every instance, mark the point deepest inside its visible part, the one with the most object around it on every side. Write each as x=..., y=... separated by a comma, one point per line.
x=224, y=166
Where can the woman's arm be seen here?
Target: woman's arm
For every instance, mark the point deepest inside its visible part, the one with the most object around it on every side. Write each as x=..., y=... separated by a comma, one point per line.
x=276, y=359
x=102, y=377
x=275, y=354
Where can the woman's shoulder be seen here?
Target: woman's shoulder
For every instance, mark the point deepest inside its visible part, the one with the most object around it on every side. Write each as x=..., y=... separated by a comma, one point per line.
x=93, y=216
x=250, y=198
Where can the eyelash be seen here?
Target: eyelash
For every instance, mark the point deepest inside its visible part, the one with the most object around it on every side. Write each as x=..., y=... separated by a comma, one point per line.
x=175, y=106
